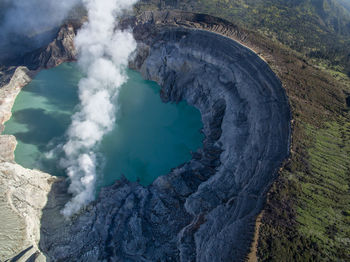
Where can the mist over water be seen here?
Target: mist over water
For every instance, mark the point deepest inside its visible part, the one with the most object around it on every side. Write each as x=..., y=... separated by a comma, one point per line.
x=29, y=24
x=149, y=137
x=103, y=58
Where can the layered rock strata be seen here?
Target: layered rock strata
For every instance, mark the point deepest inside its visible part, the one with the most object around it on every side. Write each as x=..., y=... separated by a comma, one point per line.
x=203, y=210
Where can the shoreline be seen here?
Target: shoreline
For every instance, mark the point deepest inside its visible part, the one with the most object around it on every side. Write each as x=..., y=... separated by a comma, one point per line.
x=11, y=175
x=8, y=93
x=9, y=103
x=24, y=192
x=203, y=194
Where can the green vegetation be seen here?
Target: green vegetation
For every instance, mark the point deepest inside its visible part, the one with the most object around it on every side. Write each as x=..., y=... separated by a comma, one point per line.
x=307, y=44
x=325, y=192
x=312, y=205
x=306, y=216
x=319, y=29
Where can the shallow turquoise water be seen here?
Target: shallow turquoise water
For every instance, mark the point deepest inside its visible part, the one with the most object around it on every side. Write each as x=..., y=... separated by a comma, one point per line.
x=149, y=138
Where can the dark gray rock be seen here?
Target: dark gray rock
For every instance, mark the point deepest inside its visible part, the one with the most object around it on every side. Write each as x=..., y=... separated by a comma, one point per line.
x=205, y=209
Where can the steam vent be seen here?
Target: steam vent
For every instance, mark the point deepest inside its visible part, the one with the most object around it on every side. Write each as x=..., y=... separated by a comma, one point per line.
x=203, y=210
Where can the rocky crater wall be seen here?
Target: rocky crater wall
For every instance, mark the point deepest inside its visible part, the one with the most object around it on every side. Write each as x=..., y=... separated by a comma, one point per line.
x=205, y=209
x=24, y=192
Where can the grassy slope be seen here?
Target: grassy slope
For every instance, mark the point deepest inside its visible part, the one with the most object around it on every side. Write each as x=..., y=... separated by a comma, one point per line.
x=307, y=216
x=318, y=28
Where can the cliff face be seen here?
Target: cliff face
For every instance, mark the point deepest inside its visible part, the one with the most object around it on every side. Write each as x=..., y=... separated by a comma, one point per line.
x=23, y=192
x=203, y=210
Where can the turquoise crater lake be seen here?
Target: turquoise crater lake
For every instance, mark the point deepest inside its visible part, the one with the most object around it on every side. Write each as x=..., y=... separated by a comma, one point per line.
x=149, y=138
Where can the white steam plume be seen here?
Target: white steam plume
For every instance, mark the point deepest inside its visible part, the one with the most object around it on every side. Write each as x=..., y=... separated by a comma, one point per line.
x=103, y=57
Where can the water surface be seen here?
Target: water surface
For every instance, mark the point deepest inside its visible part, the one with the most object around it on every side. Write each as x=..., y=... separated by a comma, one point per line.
x=149, y=137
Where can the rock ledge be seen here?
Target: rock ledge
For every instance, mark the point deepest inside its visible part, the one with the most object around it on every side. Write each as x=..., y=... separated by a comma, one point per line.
x=205, y=209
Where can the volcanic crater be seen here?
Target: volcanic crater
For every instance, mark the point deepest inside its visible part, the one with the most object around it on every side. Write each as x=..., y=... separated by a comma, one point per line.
x=205, y=209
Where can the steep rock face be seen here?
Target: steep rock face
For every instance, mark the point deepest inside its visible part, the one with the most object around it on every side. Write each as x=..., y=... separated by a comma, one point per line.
x=24, y=192
x=60, y=50
x=203, y=210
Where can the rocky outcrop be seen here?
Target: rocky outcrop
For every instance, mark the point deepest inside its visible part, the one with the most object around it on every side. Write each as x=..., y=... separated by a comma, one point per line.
x=60, y=50
x=205, y=209
x=24, y=192
x=8, y=93
x=23, y=195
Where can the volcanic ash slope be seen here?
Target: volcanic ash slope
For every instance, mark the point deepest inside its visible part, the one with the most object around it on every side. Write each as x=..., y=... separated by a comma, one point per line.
x=205, y=209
